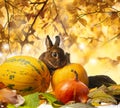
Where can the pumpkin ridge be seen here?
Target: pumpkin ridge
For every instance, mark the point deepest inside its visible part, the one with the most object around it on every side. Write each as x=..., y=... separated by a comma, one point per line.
x=25, y=62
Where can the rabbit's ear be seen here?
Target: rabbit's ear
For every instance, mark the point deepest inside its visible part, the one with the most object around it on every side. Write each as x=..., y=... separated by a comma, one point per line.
x=57, y=41
x=48, y=42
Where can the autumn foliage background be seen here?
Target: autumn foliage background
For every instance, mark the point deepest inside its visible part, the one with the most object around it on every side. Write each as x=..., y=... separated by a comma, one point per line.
x=89, y=31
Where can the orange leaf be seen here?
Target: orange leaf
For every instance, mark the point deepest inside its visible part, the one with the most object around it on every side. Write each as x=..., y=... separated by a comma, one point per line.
x=2, y=85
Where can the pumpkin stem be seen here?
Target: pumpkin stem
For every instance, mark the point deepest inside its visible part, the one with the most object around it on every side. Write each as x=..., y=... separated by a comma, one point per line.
x=76, y=75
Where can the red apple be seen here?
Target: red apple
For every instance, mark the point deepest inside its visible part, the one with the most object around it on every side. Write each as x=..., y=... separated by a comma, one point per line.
x=72, y=90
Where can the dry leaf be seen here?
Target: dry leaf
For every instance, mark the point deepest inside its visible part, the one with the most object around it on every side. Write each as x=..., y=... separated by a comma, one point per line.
x=114, y=90
x=82, y=21
x=98, y=96
x=10, y=96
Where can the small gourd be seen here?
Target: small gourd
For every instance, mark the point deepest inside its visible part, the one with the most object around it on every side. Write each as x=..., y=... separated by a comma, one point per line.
x=66, y=73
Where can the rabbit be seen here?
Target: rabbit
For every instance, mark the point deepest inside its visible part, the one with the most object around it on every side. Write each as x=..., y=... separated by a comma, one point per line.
x=54, y=57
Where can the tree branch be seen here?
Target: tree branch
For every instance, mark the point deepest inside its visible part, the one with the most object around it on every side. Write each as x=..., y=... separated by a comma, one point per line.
x=37, y=2
x=6, y=7
x=45, y=2
x=8, y=21
x=116, y=36
x=57, y=16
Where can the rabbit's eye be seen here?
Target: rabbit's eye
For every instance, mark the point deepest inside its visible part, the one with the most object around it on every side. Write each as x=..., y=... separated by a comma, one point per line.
x=54, y=54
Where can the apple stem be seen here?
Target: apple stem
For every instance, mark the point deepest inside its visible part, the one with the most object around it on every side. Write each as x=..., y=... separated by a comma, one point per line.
x=76, y=75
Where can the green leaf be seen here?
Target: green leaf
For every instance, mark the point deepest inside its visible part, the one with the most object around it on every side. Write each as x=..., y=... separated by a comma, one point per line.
x=10, y=106
x=31, y=101
x=25, y=107
x=49, y=97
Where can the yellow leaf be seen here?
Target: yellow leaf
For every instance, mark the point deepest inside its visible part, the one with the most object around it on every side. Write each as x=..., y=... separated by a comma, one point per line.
x=1, y=14
x=98, y=96
x=82, y=21
x=1, y=27
x=114, y=89
x=2, y=3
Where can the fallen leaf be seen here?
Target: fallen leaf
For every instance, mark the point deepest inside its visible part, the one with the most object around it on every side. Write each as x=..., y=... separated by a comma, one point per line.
x=8, y=96
x=31, y=101
x=98, y=96
x=51, y=99
x=114, y=90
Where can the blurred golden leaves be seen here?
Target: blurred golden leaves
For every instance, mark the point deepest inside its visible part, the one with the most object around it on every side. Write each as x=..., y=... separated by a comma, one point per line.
x=54, y=17
x=87, y=27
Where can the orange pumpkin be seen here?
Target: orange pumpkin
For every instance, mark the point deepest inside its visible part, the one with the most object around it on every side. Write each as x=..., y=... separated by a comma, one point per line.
x=66, y=73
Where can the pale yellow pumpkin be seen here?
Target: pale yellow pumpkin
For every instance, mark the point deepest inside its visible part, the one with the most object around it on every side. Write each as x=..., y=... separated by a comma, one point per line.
x=25, y=74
